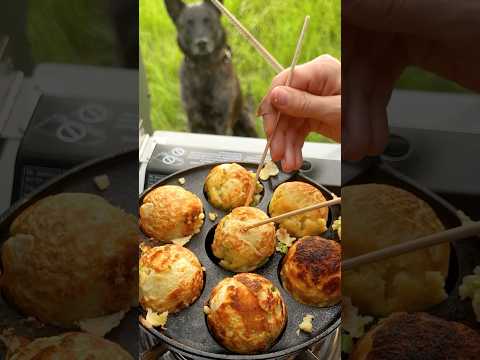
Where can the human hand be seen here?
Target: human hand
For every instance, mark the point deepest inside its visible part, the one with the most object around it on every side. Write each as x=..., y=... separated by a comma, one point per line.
x=311, y=103
x=382, y=38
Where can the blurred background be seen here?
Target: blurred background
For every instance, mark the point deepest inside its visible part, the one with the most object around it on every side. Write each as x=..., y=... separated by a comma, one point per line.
x=277, y=26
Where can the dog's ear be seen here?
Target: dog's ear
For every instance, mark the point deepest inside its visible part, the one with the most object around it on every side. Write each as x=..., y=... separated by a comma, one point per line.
x=208, y=2
x=174, y=8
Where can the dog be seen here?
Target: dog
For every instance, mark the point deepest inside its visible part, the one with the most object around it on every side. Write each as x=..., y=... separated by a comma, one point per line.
x=210, y=88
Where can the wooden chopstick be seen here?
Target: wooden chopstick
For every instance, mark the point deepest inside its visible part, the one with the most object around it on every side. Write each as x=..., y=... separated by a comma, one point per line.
x=250, y=38
x=450, y=235
x=296, y=56
x=295, y=212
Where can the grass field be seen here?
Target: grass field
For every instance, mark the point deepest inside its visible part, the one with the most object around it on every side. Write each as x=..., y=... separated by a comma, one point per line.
x=275, y=23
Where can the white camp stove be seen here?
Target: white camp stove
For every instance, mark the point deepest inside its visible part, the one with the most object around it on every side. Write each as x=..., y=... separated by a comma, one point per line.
x=63, y=116
x=166, y=152
x=438, y=142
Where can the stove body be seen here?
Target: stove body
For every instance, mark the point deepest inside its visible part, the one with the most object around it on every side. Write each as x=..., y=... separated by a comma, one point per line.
x=62, y=116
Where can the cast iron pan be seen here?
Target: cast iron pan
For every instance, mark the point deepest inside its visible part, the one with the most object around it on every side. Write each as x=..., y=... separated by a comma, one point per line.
x=187, y=332
x=464, y=254
x=122, y=170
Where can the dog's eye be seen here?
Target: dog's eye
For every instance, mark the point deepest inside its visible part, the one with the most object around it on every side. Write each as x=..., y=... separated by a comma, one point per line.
x=206, y=21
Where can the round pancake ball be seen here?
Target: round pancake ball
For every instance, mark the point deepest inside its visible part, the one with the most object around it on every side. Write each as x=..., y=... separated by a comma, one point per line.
x=246, y=313
x=240, y=250
x=417, y=336
x=170, y=212
x=380, y=216
x=70, y=346
x=227, y=186
x=171, y=278
x=311, y=271
x=295, y=195
x=71, y=257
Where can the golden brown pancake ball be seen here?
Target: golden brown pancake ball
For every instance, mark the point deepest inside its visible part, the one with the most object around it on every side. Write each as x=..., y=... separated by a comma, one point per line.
x=71, y=257
x=246, y=313
x=311, y=271
x=171, y=278
x=379, y=216
x=170, y=212
x=240, y=250
x=69, y=346
x=295, y=195
x=227, y=186
x=404, y=336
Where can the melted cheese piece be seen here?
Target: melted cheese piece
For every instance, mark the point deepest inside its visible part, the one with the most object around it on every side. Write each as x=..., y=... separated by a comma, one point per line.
x=102, y=181
x=470, y=288
x=182, y=241
x=270, y=169
x=102, y=325
x=306, y=325
x=156, y=319
x=284, y=240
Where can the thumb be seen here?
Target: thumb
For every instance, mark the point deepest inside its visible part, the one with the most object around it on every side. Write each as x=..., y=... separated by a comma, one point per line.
x=299, y=103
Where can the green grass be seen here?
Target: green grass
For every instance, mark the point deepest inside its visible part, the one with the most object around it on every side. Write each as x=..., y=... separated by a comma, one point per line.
x=73, y=31
x=275, y=23
x=417, y=79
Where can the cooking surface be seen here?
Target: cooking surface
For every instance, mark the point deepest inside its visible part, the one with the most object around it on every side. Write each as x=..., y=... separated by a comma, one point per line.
x=465, y=254
x=122, y=171
x=188, y=327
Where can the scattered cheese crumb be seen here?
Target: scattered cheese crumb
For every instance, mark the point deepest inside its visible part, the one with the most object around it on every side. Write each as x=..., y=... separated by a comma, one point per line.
x=182, y=241
x=102, y=181
x=284, y=240
x=206, y=310
x=258, y=188
x=298, y=332
x=337, y=226
x=470, y=288
x=256, y=199
x=201, y=216
x=212, y=216
x=270, y=169
x=100, y=326
x=156, y=319
x=181, y=181
x=306, y=325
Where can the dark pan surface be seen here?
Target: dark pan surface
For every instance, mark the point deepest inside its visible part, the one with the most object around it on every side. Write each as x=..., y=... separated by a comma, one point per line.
x=465, y=254
x=122, y=170
x=187, y=331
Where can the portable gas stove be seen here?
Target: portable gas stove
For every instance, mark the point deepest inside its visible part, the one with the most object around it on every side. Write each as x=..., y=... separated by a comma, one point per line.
x=62, y=116
x=164, y=153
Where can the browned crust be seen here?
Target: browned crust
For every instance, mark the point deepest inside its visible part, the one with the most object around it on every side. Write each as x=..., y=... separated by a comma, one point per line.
x=311, y=271
x=175, y=213
x=419, y=336
x=295, y=195
x=159, y=259
x=214, y=183
x=246, y=322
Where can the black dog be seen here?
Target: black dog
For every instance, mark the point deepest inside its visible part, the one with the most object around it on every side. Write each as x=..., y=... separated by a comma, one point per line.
x=210, y=88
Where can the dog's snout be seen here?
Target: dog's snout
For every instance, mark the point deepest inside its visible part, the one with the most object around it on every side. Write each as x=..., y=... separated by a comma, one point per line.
x=201, y=44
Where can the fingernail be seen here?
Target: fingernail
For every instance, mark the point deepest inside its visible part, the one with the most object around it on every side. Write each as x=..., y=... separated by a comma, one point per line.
x=281, y=97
